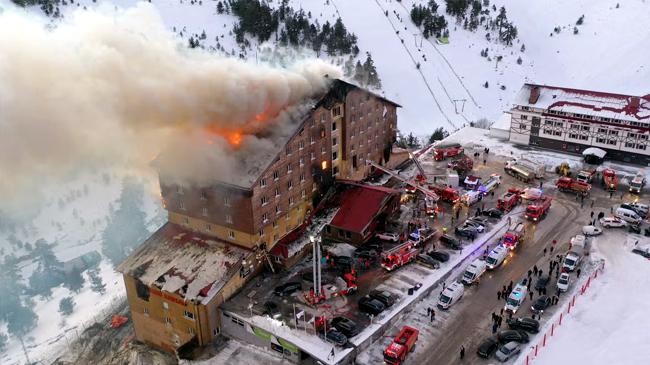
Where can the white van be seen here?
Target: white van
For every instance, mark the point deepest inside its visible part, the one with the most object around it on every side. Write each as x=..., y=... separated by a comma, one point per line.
x=516, y=298
x=496, y=257
x=471, y=197
x=474, y=271
x=451, y=295
x=571, y=261
x=628, y=215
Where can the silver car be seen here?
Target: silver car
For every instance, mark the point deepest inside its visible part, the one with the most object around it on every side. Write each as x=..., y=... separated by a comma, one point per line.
x=507, y=351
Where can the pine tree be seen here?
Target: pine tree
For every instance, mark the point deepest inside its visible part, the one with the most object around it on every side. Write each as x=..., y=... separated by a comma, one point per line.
x=371, y=71
x=96, y=283
x=523, y=48
x=438, y=134
x=3, y=342
x=66, y=306
x=220, y=8
x=21, y=320
x=74, y=280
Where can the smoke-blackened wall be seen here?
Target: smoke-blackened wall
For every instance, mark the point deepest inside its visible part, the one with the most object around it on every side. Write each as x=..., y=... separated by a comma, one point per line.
x=116, y=87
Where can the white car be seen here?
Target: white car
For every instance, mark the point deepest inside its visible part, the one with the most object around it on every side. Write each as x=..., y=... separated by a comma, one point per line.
x=614, y=222
x=387, y=236
x=642, y=207
x=591, y=230
x=563, y=282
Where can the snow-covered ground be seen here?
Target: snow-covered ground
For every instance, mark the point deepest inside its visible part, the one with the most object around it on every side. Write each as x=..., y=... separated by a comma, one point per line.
x=609, y=324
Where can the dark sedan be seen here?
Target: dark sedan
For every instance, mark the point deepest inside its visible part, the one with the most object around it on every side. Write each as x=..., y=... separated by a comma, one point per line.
x=492, y=213
x=467, y=232
x=336, y=337
x=287, y=288
x=526, y=324
x=371, y=306
x=542, y=282
x=541, y=304
x=386, y=297
x=487, y=348
x=450, y=241
x=346, y=326
x=439, y=255
x=428, y=261
x=512, y=335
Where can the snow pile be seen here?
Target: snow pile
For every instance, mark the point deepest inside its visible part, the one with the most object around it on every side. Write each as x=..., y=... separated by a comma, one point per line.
x=609, y=324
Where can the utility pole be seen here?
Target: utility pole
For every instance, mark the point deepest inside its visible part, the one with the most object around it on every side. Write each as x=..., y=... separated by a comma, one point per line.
x=462, y=107
x=316, y=264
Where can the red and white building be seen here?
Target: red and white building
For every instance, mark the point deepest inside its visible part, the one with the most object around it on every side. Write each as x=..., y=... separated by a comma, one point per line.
x=572, y=120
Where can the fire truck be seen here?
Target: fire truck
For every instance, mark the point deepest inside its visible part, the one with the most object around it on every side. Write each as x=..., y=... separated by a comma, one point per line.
x=404, y=343
x=490, y=184
x=538, y=209
x=445, y=193
x=514, y=235
x=342, y=286
x=610, y=180
x=399, y=255
x=509, y=200
x=637, y=183
x=462, y=165
x=570, y=185
x=586, y=176
x=441, y=151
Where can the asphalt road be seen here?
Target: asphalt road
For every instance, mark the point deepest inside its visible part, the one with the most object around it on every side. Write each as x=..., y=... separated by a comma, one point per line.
x=469, y=321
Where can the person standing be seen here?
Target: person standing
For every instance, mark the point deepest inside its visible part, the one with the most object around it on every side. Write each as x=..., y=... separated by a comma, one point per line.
x=499, y=295
x=544, y=251
x=531, y=294
x=428, y=311
x=552, y=249
x=540, y=273
x=433, y=315
x=578, y=272
x=462, y=352
x=592, y=214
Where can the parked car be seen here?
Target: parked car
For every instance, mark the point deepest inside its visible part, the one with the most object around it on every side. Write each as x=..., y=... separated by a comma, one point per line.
x=366, y=253
x=287, y=289
x=643, y=208
x=467, y=232
x=641, y=213
x=428, y=261
x=563, y=282
x=512, y=335
x=450, y=241
x=480, y=228
x=507, y=351
x=336, y=337
x=612, y=222
x=479, y=219
x=542, y=282
x=388, y=236
x=346, y=326
x=439, y=255
x=643, y=251
x=493, y=213
x=371, y=306
x=525, y=324
x=386, y=297
x=541, y=304
x=591, y=230
x=487, y=347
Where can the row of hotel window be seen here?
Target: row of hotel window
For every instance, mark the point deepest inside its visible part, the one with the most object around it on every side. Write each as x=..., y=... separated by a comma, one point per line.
x=588, y=117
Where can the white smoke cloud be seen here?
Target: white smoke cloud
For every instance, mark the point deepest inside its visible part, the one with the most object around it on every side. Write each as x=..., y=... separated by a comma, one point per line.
x=115, y=87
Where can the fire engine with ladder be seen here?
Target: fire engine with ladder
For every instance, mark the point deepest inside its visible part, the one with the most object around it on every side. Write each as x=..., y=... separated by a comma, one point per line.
x=399, y=256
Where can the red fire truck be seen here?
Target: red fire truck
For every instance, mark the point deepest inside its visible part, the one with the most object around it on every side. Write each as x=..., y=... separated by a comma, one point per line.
x=570, y=185
x=538, y=209
x=441, y=152
x=399, y=256
x=462, y=165
x=515, y=235
x=509, y=199
x=610, y=180
x=404, y=343
x=445, y=193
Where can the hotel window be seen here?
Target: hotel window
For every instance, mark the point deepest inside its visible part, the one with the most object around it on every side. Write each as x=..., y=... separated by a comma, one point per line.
x=333, y=126
x=611, y=141
x=312, y=140
x=263, y=183
x=165, y=305
x=583, y=137
x=265, y=217
x=208, y=227
x=168, y=321
x=228, y=218
x=276, y=175
x=574, y=126
x=181, y=204
x=204, y=211
x=275, y=225
x=302, y=144
x=630, y=144
x=204, y=195
x=303, y=193
x=277, y=209
x=290, y=184
x=277, y=192
x=573, y=135
x=288, y=150
x=641, y=147
x=548, y=122
x=613, y=133
x=265, y=200
x=145, y=310
x=231, y=234
x=336, y=112
x=188, y=315
x=334, y=155
x=302, y=162
x=226, y=201
x=302, y=177
x=260, y=232
x=322, y=150
x=190, y=330
x=602, y=130
x=524, y=117
x=289, y=168
x=334, y=141
x=585, y=127
x=322, y=132
x=312, y=156
x=335, y=171
x=291, y=201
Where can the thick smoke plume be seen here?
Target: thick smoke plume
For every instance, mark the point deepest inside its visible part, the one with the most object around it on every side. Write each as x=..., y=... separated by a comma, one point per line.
x=116, y=87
